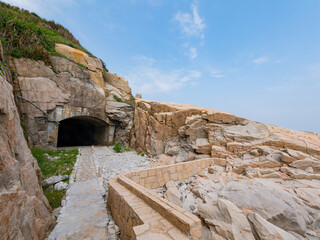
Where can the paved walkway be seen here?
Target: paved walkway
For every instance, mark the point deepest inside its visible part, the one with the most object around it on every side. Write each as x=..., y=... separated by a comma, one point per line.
x=84, y=215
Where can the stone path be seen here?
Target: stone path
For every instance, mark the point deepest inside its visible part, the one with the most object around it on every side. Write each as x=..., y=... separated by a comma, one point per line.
x=84, y=214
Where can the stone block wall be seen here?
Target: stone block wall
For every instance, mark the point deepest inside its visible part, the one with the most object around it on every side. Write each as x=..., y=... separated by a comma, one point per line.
x=156, y=177
x=124, y=215
x=140, y=183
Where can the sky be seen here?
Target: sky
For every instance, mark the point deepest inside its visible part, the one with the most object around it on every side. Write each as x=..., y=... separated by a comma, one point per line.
x=258, y=59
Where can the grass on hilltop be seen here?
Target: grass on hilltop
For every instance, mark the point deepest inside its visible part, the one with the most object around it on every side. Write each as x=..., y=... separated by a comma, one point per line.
x=25, y=34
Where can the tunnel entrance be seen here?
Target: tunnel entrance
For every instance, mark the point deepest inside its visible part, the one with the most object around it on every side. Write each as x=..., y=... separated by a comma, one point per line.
x=82, y=131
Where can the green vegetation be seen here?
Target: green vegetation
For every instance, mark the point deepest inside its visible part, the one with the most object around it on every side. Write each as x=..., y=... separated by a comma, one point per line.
x=25, y=34
x=119, y=148
x=54, y=197
x=52, y=163
x=104, y=66
x=142, y=154
x=55, y=162
x=132, y=100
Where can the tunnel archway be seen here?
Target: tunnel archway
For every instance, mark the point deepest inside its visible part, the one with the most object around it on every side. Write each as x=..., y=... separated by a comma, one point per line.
x=82, y=131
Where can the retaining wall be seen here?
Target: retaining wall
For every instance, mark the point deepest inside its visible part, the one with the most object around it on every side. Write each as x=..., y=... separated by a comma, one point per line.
x=141, y=182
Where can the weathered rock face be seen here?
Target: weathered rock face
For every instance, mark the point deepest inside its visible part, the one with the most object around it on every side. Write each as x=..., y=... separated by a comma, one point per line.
x=186, y=132
x=94, y=65
x=119, y=83
x=265, y=180
x=24, y=210
x=65, y=90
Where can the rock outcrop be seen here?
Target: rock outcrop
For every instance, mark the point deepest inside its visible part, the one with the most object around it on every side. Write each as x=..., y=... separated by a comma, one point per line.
x=186, y=132
x=265, y=180
x=76, y=85
x=24, y=210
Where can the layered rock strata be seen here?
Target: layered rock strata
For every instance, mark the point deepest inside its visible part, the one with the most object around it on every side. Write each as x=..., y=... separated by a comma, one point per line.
x=181, y=132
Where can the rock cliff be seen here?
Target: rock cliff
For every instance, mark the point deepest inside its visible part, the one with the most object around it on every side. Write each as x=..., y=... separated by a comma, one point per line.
x=184, y=132
x=72, y=86
x=24, y=210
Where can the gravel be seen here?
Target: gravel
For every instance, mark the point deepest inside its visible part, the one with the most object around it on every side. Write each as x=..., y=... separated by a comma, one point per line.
x=112, y=164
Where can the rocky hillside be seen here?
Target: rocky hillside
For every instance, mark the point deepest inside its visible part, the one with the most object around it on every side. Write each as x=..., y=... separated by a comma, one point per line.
x=55, y=78
x=184, y=132
x=46, y=76
x=265, y=181
x=265, y=175
x=24, y=210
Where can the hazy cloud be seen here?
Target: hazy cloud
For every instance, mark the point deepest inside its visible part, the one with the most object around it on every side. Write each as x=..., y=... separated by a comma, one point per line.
x=216, y=74
x=192, y=53
x=146, y=78
x=260, y=60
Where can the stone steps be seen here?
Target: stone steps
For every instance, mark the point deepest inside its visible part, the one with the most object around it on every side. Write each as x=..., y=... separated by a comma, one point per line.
x=136, y=219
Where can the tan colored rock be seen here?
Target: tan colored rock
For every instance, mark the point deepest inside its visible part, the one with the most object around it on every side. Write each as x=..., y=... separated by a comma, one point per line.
x=202, y=146
x=119, y=83
x=231, y=136
x=268, y=231
x=94, y=65
x=287, y=158
x=24, y=210
x=219, y=152
x=306, y=163
x=31, y=69
x=43, y=92
x=172, y=193
x=226, y=220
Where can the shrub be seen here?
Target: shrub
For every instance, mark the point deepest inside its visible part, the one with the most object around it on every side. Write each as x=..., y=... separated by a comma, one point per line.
x=119, y=148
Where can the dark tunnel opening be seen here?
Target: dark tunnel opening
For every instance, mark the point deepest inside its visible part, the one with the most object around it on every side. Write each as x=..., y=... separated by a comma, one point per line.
x=82, y=131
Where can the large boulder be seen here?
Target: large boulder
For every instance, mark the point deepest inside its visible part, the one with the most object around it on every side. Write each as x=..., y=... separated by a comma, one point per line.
x=119, y=83
x=226, y=220
x=259, y=195
x=267, y=231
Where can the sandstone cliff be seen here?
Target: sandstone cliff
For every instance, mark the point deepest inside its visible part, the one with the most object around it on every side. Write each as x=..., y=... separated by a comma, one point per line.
x=24, y=210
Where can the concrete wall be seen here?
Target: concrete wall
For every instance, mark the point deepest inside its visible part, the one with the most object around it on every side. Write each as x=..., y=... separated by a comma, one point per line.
x=64, y=112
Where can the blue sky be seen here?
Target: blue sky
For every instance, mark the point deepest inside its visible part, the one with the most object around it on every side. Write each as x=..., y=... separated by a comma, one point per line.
x=258, y=59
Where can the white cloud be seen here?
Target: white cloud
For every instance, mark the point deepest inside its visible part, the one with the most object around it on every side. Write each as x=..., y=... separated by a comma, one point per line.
x=260, y=60
x=192, y=53
x=191, y=24
x=216, y=74
x=146, y=78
